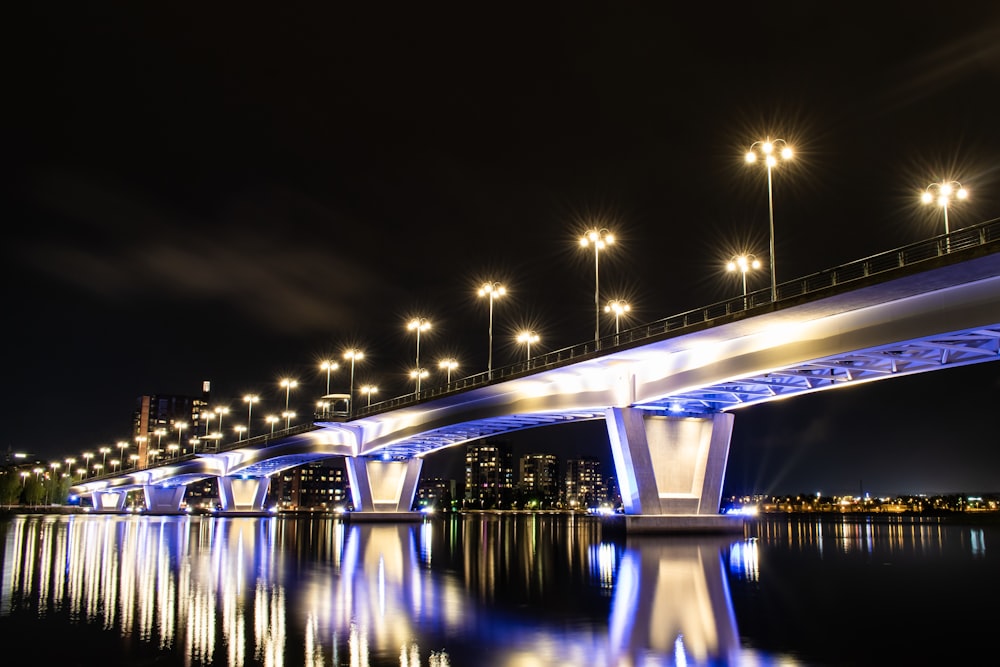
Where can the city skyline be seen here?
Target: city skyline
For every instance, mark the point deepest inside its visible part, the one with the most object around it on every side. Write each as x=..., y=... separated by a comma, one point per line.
x=193, y=203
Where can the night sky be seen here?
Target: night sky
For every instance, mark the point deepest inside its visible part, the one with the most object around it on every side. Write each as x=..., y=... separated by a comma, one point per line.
x=232, y=193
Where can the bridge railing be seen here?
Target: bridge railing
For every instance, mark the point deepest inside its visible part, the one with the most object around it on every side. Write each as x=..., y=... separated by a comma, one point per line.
x=982, y=234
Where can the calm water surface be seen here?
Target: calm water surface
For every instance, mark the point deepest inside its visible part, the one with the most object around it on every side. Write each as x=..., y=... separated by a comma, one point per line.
x=489, y=589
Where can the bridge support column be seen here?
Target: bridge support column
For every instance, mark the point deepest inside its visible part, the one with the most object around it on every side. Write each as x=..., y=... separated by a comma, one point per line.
x=109, y=501
x=237, y=494
x=383, y=490
x=163, y=499
x=670, y=469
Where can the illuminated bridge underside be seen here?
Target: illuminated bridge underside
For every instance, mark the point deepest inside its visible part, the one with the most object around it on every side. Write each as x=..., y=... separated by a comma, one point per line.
x=928, y=320
x=912, y=325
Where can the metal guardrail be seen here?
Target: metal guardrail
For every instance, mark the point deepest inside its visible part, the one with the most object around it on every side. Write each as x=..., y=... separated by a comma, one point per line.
x=983, y=234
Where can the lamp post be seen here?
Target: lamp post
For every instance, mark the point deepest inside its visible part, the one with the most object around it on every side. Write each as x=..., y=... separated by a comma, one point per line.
x=492, y=290
x=114, y=464
x=600, y=239
x=180, y=426
x=122, y=446
x=240, y=430
x=329, y=366
x=743, y=264
x=618, y=308
x=104, y=455
x=134, y=458
x=527, y=337
x=770, y=150
x=449, y=365
x=369, y=390
x=418, y=324
x=271, y=419
x=352, y=355
x=173, y=449
x=288, y=414
x=250, y=399
x=86, y=461
x=288, y=385
x=160, y=432
x=942, y=193
x=220, y=412
x=418, y=374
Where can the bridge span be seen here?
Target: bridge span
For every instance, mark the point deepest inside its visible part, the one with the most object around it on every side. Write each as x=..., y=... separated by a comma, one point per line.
x=668, y=390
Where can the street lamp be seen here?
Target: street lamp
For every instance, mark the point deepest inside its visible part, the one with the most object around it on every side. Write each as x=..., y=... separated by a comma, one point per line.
x=617, y=307
x=770, y=150
x=86, y=461
x=418, y=374
x=271, y=419
x=328, y=366
x=239, y=431
x=352, y=355
x=527, y=337
x=160, y=432
x=288, y=385
x=180, y=426
x=114, y=464
x=449, y=365
x=369, y=390
x=250, y=399
x=743, y=264
x=943, y=193
x=288, y=414
x=122, y=446
x=600, y=239
x=134, y=458
x=174, y=449
x=220, y=412
x=492, y=290
x=418, y=324
x=104, y=455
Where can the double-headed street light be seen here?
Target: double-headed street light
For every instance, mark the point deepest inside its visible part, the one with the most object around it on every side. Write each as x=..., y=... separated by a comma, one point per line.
x=328, y=366
x=743, y=264
x=288, y=384
x=104, y=455
x=527, y=337
x=942, y=193
x=449, y=365
x=288, y=414
x=220, y=412
x=493, y=290
x=419, y=374
x=250, y=399
x=180, y=426
x=771, y=150
x=369, y=390
x=618, y=308
x=418, y=324
x=272, y=420
x=352, y=355
x=600, y=239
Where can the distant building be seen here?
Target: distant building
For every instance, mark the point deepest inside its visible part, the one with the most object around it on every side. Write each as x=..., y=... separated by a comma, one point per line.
x=436, y=492
x=584, y=483
x=538, y=481
x=489, y=474
x=161, y=420
x=320, y=485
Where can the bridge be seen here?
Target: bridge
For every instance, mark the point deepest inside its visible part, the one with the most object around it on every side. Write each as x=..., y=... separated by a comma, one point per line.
x=667, y=390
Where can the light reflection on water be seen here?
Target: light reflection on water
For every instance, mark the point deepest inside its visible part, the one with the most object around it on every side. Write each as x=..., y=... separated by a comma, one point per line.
x=482, y=589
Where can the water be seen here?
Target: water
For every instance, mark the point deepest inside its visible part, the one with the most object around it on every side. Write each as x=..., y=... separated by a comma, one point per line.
x=491, y=589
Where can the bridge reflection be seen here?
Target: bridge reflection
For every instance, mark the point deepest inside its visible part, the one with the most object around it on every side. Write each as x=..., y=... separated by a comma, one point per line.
x=235, y=591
